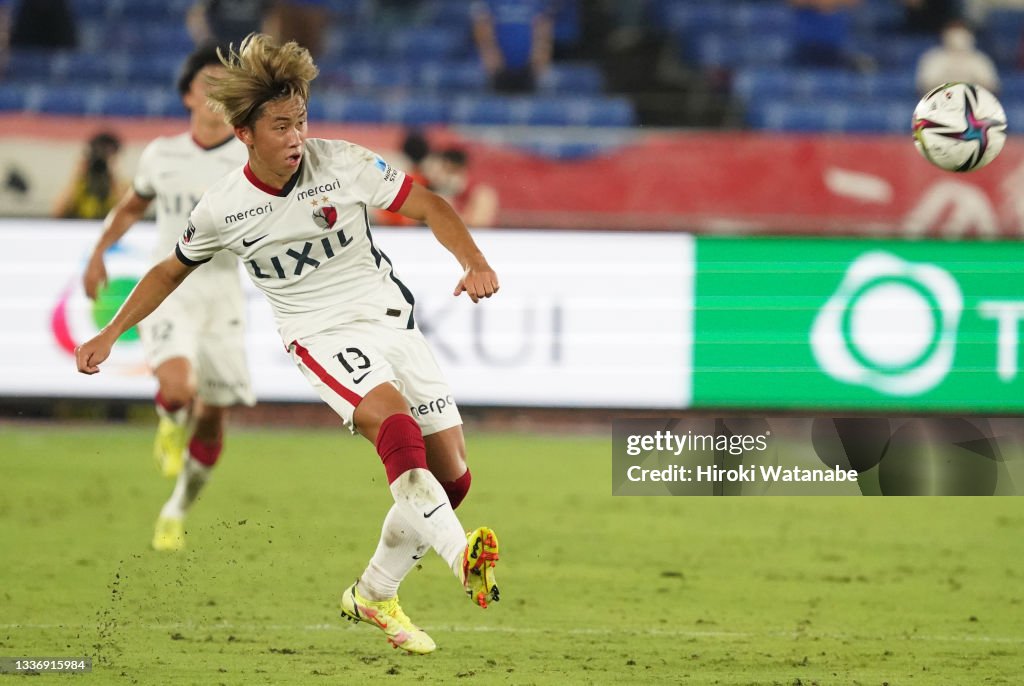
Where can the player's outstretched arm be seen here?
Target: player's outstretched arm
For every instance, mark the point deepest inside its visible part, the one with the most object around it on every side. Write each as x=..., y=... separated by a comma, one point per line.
x=478, y=280
x=129, y=209
x=153, y=289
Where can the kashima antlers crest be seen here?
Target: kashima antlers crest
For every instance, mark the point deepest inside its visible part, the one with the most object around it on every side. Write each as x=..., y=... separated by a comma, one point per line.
x=325, y=213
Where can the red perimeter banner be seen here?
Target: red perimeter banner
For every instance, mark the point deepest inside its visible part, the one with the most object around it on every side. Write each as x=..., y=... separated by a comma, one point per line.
x=721, y=182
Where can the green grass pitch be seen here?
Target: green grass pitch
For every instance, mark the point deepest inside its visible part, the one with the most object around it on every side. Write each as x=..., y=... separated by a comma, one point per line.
x=595, y=589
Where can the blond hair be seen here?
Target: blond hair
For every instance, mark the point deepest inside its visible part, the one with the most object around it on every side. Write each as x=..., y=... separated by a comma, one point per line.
x=258, y=72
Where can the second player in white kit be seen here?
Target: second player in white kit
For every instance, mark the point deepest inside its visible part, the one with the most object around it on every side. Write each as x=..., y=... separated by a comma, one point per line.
x=204, y=320
x=195, y=341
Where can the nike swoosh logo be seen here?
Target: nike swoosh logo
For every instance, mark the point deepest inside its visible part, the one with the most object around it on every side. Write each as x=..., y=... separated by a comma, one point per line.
x=427, y=515
x=247, y=243
x=360, y=378
x=418, y=557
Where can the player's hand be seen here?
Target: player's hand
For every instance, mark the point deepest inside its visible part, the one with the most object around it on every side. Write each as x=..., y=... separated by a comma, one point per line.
x=92, y=353
x=479, y=281
x=95, y=277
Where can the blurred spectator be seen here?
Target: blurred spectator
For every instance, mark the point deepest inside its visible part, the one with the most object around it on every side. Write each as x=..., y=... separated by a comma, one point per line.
x=930, y=16
x=303, y=21
x=515, y=40
x=415, y=150
x=227, y=21
x=822, y=34
x=42, y=24
x=476, y=202
x=95, y=188
x=5, y=34
x=956, y=59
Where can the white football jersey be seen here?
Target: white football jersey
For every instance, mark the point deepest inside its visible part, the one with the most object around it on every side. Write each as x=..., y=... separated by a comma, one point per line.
x=175, y=171
x=308, y=245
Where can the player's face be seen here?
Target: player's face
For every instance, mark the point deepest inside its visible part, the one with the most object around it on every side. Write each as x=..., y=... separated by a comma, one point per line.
x=195, y=99
x=276, y=139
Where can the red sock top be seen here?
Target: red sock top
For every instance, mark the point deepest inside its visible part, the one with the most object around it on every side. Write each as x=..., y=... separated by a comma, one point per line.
x=400, y=446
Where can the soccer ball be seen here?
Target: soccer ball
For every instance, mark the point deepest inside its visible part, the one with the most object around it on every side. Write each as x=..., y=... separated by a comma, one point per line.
x=959, y=127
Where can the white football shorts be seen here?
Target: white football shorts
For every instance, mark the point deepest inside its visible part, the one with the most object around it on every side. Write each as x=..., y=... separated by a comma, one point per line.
x=346, y=362
x=204, y=322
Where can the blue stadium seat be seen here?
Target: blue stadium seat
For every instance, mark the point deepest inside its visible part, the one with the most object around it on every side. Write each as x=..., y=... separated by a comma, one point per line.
x=124, y=103
x=356, y=108
x=896, y=51
x=611, y=112
x=451, y=76
x=67, y=99
x=87, y=67
x=892, y=84
x=573, y=78
x=751, y=83
x=489, y=110
x=354, y=43
x=1012, y=86
x=722, y=50
x=156, y=37
x=453, y=13
x=690, y=19
x=823, y=83
x=29, y=65
x=386, y=74
x=555, y=112
x=154, y=10
x=875, y=17
x=418, y=111
x=833, y=116
x=1004, y=49
x=878, y=117
x=565, y=151
x=418, y=44
x=153, y=68
x=14, y=97
x=94, y=9
x=169, y=105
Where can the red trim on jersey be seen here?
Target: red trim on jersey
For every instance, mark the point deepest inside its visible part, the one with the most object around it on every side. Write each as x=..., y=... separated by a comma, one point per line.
x=350, y=397
x=403, y=193
x=254, y=180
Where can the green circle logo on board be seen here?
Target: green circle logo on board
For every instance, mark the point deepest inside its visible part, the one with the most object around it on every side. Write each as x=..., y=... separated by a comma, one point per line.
x=890, y=326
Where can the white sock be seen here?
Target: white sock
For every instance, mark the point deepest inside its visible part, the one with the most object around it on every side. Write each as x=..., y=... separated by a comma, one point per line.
x=191, y=479
x=424, y=505
x=398, y=551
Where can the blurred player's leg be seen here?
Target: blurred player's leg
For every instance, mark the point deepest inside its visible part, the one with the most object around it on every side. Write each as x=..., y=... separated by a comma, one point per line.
x=173, y=405
x=204, y=450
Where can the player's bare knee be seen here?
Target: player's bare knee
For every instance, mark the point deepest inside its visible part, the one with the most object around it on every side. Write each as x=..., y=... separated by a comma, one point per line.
x=379, y=405
x=177, y=394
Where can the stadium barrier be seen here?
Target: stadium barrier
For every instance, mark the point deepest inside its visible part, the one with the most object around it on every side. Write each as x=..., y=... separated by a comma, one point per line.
x=704, y=182
x=604, y=319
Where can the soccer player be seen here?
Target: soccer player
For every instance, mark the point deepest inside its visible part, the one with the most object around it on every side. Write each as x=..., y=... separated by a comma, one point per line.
x=194, y=342
x=296, y=215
